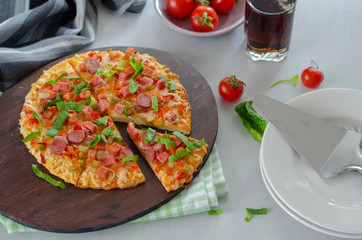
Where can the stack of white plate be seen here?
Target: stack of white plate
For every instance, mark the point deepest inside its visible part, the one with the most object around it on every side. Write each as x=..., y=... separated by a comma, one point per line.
x=332, y=206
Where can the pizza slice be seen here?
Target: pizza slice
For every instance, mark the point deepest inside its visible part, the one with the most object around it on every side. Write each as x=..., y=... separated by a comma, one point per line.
x=174, y=158
x=109, y=162
x=134, y=87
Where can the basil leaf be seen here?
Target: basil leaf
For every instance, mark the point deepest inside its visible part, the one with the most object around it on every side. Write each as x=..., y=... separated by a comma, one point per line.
x=189, y=147
x=130, y=158
x=181, y=137
x=106, y=72
x=133, y=86
x=36, y=134
x=137, y=66
x=95, y=141
x=52, y=102
x=149, y=135
x=72, y=77
x=89, y=100
x=164, y=140
x=57, y=79
x=78, y=88
x=254, y=123
x=121, y=65
x=194, y=145
x=170, y=83
x=46, y=177
x=102, y=121
x=70, y=106
x=103, y=138
x=108, y=131
x=58, y=124
x=215, y=212
x=259, y=211
x=154, y=103
x=179, y=155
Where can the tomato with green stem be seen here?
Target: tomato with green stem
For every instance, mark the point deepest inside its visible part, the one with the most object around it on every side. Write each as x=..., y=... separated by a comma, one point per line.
x=179, y=8
x=204, y=19
x=312, y=77
x=231, y=88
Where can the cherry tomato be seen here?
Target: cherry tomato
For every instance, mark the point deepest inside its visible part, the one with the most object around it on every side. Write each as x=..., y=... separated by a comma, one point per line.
x=179, y=8
x=231, y=88
x=222, y=6
x=204, y=19
x=201, y=3
x=312, y=77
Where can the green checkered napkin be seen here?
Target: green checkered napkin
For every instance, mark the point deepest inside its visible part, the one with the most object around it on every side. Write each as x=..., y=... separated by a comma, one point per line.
x=201, y=196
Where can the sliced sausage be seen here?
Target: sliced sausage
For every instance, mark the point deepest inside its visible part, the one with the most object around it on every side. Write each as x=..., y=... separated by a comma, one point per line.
x=144, y=100
x=64, y=87
x=171, y=116
x=92, y=65
x=59, y=144
x=147, y=71
x=119, y=108
x=114, y=149
x=150, y=154
x=103, y=106
x=122, y=77
x=95, y=81
x=91, y=126
x=145, y=80
x=161, y=84
x=108, y=161
x=76, y=136
x=163, y=157
x=132, y=131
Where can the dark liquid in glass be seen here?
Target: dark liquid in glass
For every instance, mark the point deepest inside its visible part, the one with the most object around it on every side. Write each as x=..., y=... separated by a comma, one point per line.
x=268, y=24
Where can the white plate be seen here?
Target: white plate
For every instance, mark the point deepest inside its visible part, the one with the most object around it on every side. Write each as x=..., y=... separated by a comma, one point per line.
x=299, y=218
x=227, y=22
x=332, y=204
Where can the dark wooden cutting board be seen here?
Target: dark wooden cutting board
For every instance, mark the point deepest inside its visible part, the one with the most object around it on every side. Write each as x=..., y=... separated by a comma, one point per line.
x=33, y=202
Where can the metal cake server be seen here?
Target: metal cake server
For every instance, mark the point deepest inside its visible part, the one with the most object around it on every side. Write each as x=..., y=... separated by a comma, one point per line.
x=328, y=148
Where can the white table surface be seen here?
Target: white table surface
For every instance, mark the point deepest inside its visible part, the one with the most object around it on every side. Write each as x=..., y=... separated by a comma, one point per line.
x=327, y=31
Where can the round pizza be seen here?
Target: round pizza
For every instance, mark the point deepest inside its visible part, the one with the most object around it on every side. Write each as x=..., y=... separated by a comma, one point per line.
x=68, y=116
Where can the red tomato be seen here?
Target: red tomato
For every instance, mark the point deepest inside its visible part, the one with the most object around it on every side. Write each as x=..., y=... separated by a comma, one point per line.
x=179, y=8
x=222, y=6
x=312, y=77
x=204, y=19
x=201, y=3
x=231, y=88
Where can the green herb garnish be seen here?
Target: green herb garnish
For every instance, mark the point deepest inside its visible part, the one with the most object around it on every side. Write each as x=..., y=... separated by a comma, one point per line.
x=293, y=80
x=259, y=211
x=169, y=82
x=189, y=147
x=130, y=158
x=215, y=212
x=46, y=177
x=58, y=124
x=106, y=72
x=252, y=121
x=102, y=121
x=154, y=103
x=72, y=77
x=137, y=66
x=52, y=102
x=165, y=140
x=78, y=88
x=247, y=218
x=133, y=86
x=36, y=134
x=126, y=109
x=149, y=135
x=57, y=79
x=181, y=137
x=121, y=65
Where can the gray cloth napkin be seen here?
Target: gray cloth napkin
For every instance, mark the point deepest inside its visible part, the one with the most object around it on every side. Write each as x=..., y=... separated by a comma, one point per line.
x=35, y=32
